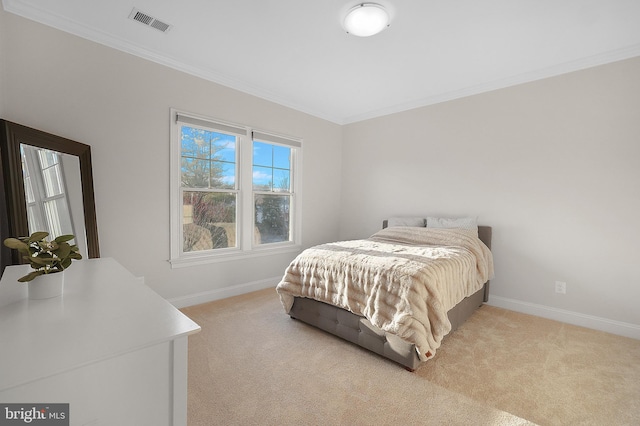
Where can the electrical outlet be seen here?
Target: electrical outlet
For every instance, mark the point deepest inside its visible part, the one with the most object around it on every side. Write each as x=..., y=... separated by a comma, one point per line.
x=561, y=287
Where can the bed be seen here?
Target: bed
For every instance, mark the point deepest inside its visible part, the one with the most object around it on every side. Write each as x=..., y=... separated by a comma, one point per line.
x=397, y=293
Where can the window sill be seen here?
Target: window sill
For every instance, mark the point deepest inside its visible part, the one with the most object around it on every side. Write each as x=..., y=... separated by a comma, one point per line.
x=203, y=259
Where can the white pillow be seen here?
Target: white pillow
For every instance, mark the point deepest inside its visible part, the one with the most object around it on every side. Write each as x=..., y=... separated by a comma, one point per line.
x=446, y=222
x=406, y=221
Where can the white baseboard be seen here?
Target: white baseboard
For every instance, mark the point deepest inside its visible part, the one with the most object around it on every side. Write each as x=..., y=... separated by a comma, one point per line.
x=575, y=318
x=589, y=321
x=223, y=293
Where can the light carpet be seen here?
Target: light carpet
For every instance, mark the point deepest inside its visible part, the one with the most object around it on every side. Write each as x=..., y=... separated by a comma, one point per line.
x=253, y=365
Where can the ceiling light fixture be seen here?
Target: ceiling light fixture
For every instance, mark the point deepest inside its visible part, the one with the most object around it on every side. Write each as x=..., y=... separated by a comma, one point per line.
x=366, y=19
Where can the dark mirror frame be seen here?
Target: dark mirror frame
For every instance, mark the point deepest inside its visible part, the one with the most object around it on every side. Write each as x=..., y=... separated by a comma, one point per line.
x=13, y=205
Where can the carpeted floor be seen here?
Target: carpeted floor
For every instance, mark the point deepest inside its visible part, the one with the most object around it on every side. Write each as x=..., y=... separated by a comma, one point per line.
x=253, y=365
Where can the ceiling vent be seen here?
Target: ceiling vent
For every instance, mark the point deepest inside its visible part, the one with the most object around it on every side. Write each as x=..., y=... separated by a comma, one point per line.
x=149, y=20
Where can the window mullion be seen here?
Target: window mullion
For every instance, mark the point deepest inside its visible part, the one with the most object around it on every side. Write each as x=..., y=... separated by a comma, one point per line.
x=246, y=193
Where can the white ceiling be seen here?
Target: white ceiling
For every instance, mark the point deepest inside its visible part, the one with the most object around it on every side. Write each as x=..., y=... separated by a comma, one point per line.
x=295, y=52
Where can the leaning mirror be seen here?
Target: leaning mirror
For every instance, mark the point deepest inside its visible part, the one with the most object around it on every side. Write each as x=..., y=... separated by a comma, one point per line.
x=48, y=185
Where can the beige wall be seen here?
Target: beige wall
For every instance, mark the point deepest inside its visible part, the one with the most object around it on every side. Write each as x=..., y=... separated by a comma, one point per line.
x=553, y=166
x=119, y=104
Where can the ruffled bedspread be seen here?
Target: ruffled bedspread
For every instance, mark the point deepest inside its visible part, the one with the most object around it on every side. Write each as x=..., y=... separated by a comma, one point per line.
x=402, y=279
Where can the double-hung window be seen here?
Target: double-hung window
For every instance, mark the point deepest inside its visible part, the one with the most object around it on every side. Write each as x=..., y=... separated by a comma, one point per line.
x=234, y=191
x=272, y=189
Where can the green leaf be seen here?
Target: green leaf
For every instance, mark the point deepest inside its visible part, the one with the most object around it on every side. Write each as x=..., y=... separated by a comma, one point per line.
x=65, y=263
x=63, y=251
x=16, y=244
x=38, y=236
x=63, y=238
x=30, y=276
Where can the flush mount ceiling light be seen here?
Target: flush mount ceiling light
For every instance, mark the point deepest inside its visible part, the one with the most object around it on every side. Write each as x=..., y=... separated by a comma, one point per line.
x=366, y=19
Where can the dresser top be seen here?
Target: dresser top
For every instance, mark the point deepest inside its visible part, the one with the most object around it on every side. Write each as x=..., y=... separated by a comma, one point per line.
x=104, y=312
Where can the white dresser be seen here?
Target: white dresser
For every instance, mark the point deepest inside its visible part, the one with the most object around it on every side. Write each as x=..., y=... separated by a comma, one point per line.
x=109, y=346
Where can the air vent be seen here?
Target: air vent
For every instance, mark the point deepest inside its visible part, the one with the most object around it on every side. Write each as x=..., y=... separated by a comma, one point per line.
x=149, y=20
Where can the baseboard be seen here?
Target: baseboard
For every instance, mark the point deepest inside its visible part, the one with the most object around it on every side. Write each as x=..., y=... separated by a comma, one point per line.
x=223, y=293
x=589, y=321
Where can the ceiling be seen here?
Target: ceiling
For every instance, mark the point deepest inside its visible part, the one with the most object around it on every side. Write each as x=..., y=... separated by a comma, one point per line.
x=296, y=53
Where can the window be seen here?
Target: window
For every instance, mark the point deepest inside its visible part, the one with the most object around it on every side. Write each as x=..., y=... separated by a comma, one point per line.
x=271, y=192
x=209, y=191
x=234, y=191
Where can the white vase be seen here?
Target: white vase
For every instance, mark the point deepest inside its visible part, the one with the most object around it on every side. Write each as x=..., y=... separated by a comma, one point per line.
x=46, y=286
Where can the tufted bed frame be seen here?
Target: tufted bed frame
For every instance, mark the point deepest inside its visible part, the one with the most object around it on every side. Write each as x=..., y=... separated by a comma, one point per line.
x=359, y=330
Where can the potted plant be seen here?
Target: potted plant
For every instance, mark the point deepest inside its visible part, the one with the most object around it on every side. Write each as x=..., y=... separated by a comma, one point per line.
x=48, y=259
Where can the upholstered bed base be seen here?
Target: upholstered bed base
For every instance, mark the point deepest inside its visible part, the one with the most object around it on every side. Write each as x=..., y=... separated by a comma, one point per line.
x=359, y=330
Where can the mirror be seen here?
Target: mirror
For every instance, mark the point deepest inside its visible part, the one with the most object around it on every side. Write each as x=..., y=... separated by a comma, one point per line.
x=48, y=185
x=53, y=194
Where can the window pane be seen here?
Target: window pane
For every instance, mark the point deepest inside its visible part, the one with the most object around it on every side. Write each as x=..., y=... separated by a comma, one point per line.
x=208, y=159
x=58, y=219
x=52, y=179
x=281, y=180
x=281, y=157
x=223, y=175
x=209, y=220
x=195, y=173
x=224, y=148
x=272, y=218
x=262, y=178
x=194, y=143
x=262, y=154
x=47, y=158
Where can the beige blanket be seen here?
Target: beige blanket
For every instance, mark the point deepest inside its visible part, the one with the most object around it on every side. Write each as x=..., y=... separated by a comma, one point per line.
x=402, y=279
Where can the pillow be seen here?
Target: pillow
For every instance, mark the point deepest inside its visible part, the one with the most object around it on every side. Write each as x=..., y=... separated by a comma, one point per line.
x=460, y=223
x=406, y=221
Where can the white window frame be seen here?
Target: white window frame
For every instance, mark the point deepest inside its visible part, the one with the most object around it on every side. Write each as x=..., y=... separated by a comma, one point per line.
x=246, y=248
